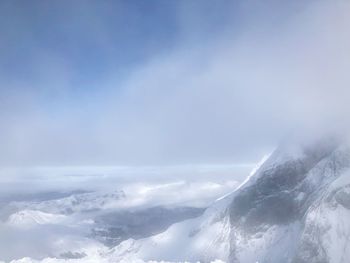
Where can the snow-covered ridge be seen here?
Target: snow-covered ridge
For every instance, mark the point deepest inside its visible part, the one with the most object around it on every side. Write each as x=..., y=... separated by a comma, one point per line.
x=33, y=217
x=81, y=202
x=268, y=218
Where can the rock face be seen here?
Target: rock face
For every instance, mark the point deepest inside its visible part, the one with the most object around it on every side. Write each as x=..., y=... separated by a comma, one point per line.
x=277, y=207
x=114, y=227
x=295, y=208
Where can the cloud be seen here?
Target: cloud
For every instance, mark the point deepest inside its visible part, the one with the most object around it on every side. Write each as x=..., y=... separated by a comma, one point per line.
x=212, y=97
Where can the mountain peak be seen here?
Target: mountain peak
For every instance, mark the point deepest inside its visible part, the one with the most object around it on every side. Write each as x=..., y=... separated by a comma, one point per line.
x=270, y=218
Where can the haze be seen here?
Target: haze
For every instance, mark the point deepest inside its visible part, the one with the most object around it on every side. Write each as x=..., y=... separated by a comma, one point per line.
x=167, y=82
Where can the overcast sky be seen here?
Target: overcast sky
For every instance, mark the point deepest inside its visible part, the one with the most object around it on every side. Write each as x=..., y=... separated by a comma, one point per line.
x=167, y=82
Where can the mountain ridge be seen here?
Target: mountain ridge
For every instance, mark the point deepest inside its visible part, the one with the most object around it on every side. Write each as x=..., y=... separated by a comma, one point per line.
x=269, y=218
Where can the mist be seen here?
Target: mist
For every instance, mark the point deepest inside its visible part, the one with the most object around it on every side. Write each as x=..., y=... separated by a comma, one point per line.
x=224, y=90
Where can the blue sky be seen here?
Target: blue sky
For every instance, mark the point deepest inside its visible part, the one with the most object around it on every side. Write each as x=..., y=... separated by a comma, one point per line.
x=96, y=39
x=164, y=82
x=93, y=39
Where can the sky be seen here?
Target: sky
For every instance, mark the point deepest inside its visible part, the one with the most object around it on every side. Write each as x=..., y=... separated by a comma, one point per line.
x=168, y=82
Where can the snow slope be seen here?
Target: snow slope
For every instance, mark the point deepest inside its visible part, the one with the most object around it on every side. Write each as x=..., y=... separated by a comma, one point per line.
x=295, y=208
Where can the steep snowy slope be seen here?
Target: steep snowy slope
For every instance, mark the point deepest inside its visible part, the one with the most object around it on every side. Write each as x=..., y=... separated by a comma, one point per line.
x=294, y=209
x=268, y=215
x=326, y=233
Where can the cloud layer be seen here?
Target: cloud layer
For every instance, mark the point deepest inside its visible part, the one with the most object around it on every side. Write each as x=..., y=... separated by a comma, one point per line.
x=227, y=87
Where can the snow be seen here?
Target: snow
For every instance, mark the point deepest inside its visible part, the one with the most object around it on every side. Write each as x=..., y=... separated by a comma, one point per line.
x=320, y=230
x=100, y=260
x=33, y=217
x=60, y=225
x=212, y=236
x=74, y=203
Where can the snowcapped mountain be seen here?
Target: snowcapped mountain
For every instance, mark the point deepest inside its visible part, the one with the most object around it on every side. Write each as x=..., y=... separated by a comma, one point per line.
x=295, y=209
x=32, y=217
x=74, y=203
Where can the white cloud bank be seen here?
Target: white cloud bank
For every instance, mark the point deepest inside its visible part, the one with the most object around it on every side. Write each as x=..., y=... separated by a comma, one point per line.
x=227, y=98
